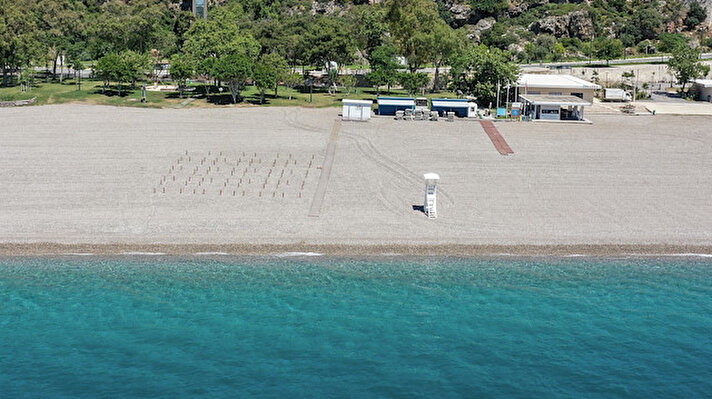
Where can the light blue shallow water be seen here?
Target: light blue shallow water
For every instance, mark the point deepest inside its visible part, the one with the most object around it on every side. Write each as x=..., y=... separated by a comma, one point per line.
x=431, y=328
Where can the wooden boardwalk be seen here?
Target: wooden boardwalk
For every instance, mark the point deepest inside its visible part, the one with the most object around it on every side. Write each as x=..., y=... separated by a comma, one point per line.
x=318, y=200
x=499, y=143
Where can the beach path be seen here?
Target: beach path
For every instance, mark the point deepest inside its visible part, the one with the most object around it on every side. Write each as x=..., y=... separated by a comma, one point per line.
x=318, y=200
x=499, y=142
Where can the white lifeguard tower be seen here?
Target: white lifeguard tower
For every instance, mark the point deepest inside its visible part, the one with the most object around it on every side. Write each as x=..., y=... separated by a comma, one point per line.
x=431, y=192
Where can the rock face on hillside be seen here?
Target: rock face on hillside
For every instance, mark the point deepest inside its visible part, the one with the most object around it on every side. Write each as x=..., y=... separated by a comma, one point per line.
x=461, y=13
x=475, y=32
x=575, y=24
x=330, y=7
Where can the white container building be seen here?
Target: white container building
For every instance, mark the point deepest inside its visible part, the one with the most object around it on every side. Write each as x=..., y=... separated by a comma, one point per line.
x=704, y=89
x=356, y=110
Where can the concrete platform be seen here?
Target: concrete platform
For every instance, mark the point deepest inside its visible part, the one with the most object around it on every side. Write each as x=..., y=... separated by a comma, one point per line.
x=689, y=108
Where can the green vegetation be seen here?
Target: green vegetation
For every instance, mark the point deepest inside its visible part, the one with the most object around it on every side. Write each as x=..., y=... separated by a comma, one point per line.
x=202, y=95
x=685, y=65
x=479, y=71
x=253, y=48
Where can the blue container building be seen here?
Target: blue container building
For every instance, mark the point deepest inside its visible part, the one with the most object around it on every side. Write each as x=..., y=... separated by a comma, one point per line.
x=389, y=105
x=463, y=108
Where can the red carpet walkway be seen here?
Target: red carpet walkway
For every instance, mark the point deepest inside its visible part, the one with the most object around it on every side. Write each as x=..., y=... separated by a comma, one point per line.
x=499, y=143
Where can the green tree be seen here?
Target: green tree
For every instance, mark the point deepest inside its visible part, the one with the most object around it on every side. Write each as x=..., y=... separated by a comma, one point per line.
x=530, y=49
x=284, y=37
x=369, y=28
x=108, y=68
x=480, y=69
x=500, y=36
x=181, y=69
x=695, y=16
x=127, y=66
x=135, y=66
x=616, y=5
x=77, y=65
x=670, y=41
x=18, y=36
x=685, y=65
x=413, y=82
x=412, y=23
x=138, y=25
x=278, y=67
x=207, y=42
x=268, y=72
x=444, y=42
x=27, y=79
x=558, y=51
x=328, y=41
x=234, y=69
x=488, y=8
x=293, y=80
x=60, y=24
x=384, y=67
x=645, y=23
x=349, y=82
x=607, y=48
x=219, y=37
x=544, y=47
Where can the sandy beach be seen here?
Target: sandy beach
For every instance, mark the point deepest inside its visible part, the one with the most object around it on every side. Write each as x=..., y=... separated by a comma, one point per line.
x=252, y=180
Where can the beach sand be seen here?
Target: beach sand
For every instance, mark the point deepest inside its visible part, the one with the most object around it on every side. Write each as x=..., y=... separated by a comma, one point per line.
x=91, y=179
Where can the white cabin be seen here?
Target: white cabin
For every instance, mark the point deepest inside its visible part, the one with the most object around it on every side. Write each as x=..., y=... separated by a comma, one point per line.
x=356, y=110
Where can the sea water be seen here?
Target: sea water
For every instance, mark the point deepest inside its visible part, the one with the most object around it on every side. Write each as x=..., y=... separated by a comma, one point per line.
x=379, y=327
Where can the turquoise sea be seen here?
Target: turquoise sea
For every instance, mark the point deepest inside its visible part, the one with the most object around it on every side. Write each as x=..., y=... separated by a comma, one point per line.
x=376, y=327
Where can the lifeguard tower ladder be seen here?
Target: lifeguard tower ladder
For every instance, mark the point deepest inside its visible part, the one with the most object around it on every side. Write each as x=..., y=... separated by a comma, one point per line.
x=431, y=191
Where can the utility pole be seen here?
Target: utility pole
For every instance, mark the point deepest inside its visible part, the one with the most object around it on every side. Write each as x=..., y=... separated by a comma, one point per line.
x=497, y=106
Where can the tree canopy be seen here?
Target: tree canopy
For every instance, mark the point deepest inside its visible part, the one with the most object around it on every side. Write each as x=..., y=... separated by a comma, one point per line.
x=478, y=71
x=315, y=34
x=685, y=64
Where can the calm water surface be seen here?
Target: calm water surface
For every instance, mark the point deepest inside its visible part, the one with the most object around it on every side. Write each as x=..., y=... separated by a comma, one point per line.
x=390, y=327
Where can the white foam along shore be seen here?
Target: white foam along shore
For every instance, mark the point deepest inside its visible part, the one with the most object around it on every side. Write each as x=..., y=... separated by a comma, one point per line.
x=297, y=254
x=153, y=180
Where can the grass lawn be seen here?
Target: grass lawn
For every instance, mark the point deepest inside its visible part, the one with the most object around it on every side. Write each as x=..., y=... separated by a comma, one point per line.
x=320, y=97
x=91, y=93
x=59, y=93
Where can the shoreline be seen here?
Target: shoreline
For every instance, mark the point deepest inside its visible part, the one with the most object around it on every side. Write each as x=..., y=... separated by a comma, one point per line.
x=350, y=250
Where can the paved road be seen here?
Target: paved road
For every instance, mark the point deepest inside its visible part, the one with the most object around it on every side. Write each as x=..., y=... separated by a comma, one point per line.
x=645, y=60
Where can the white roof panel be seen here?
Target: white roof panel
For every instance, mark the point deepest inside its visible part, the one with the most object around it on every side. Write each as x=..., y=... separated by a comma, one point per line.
x=450, y=104
x=554, y=81
x=357, y=102
x=391, y=101
x=431, y=176
x=704, y=82
x=554, y=100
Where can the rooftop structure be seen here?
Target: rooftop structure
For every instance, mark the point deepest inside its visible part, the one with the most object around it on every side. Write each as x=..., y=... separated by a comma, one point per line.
x=556, y=85
x=704, y=82
x=704, y=89
x=554, y=81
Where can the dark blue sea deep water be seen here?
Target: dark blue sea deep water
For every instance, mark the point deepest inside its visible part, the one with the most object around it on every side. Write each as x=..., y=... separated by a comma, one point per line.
x=376, y=327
